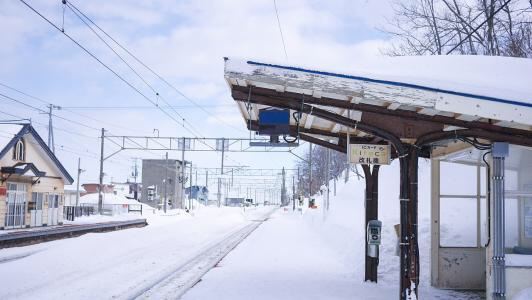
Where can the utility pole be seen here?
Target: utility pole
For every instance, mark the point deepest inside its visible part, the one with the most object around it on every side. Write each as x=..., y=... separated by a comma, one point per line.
x=207, y=179
x=293, y=193
x=77, y=181
x=283, y=188
x=51, y=143
x=183, y=165
x=223, y=150
x=327, y=176
x=348, y=150
x=190, y=189
x=298, y=181
x=219, y=191
x=165, y=181
x=100, y=191
x=135, y=175
x=310, y=171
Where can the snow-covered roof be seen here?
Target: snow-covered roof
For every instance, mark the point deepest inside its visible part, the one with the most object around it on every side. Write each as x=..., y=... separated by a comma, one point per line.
x=108, y=198
x=490, y=89
x=10, y=131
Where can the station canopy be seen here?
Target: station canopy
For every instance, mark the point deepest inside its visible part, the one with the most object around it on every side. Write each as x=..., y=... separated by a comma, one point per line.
x=412, y=98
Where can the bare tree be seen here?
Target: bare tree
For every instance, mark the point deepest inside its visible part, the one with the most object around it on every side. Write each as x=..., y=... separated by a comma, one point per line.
x=337, y=165
x=488, y=27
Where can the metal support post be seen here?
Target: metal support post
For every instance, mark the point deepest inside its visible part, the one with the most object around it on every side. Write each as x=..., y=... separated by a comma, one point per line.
x=183, y=166
x=100, y=190
x=165, y=182
x=223, y=153
x=135, y=175
x=293, y=193
x=219, y=191
x=77, y=181
x=499, y=152
x=51, y=143
x=191, y=204
x=283, y=188
x=327, y=176
x=310, y=171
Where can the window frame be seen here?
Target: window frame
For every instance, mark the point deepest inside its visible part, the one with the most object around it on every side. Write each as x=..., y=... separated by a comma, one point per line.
x=19, y=153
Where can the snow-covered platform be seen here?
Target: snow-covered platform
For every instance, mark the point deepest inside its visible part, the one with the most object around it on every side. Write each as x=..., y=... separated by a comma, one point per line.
x=309, y=256
x=41, y=234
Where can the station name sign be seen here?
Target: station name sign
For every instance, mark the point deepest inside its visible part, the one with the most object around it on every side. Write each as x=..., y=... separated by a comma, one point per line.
x=369, y=154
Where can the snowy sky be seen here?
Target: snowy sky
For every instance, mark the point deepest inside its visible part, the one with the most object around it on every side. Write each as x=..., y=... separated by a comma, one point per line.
x=185, y=42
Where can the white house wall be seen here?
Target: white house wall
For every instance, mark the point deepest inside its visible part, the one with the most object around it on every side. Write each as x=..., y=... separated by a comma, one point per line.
x=52, y=183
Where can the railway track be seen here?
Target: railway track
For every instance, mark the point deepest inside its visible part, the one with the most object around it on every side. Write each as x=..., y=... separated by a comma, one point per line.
x=177, y=282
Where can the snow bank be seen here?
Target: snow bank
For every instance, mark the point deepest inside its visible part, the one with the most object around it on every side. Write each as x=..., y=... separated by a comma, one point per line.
x=108, y=198
x=312, y=256
x=117, y=204
x=525, y=294
x=342, y=228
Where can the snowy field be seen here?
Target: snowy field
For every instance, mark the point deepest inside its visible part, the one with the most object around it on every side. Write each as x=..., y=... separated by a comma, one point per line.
x=309, y=256
x=115, y=264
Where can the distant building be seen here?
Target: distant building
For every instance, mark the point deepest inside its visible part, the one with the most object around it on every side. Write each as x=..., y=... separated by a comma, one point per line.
x=160, y=176
x=129, y=190
x=92, y=188
x=32, y=180
x=234, y=201
x=70, y=196
x=200, y=193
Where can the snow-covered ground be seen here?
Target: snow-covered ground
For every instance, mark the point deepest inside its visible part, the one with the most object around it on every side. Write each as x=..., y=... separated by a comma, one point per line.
x=115, y=264
x=307, y=256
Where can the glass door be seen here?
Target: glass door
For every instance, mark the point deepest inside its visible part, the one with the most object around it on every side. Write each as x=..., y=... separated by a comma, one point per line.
x=16, y=205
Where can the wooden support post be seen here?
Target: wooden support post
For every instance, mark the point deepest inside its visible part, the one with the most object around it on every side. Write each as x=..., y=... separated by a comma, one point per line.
x=409, y=266
x=372, y=213
x=413, y=219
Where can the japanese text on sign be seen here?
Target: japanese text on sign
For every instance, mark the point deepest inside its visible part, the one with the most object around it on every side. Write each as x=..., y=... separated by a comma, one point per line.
x=369, y=154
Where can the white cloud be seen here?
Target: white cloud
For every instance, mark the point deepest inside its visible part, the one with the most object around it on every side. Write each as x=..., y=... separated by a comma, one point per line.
x=183, y=40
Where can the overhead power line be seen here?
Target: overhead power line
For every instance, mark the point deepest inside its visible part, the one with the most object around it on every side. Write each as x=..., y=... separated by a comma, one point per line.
x=190, y=130
x=73, y=7
x=104, y=65
x=137, y=107
x=155, y=92
x=44, y=111
x=62, y=107
x=280, y=29
x=46, y=126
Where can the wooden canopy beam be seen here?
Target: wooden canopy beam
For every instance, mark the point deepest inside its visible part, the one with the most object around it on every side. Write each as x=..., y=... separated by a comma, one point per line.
x=243, y=92
x=254, y=126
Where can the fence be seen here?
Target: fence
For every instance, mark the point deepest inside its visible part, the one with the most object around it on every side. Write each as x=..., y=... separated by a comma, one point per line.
x=71, y=212
x=134, y=208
